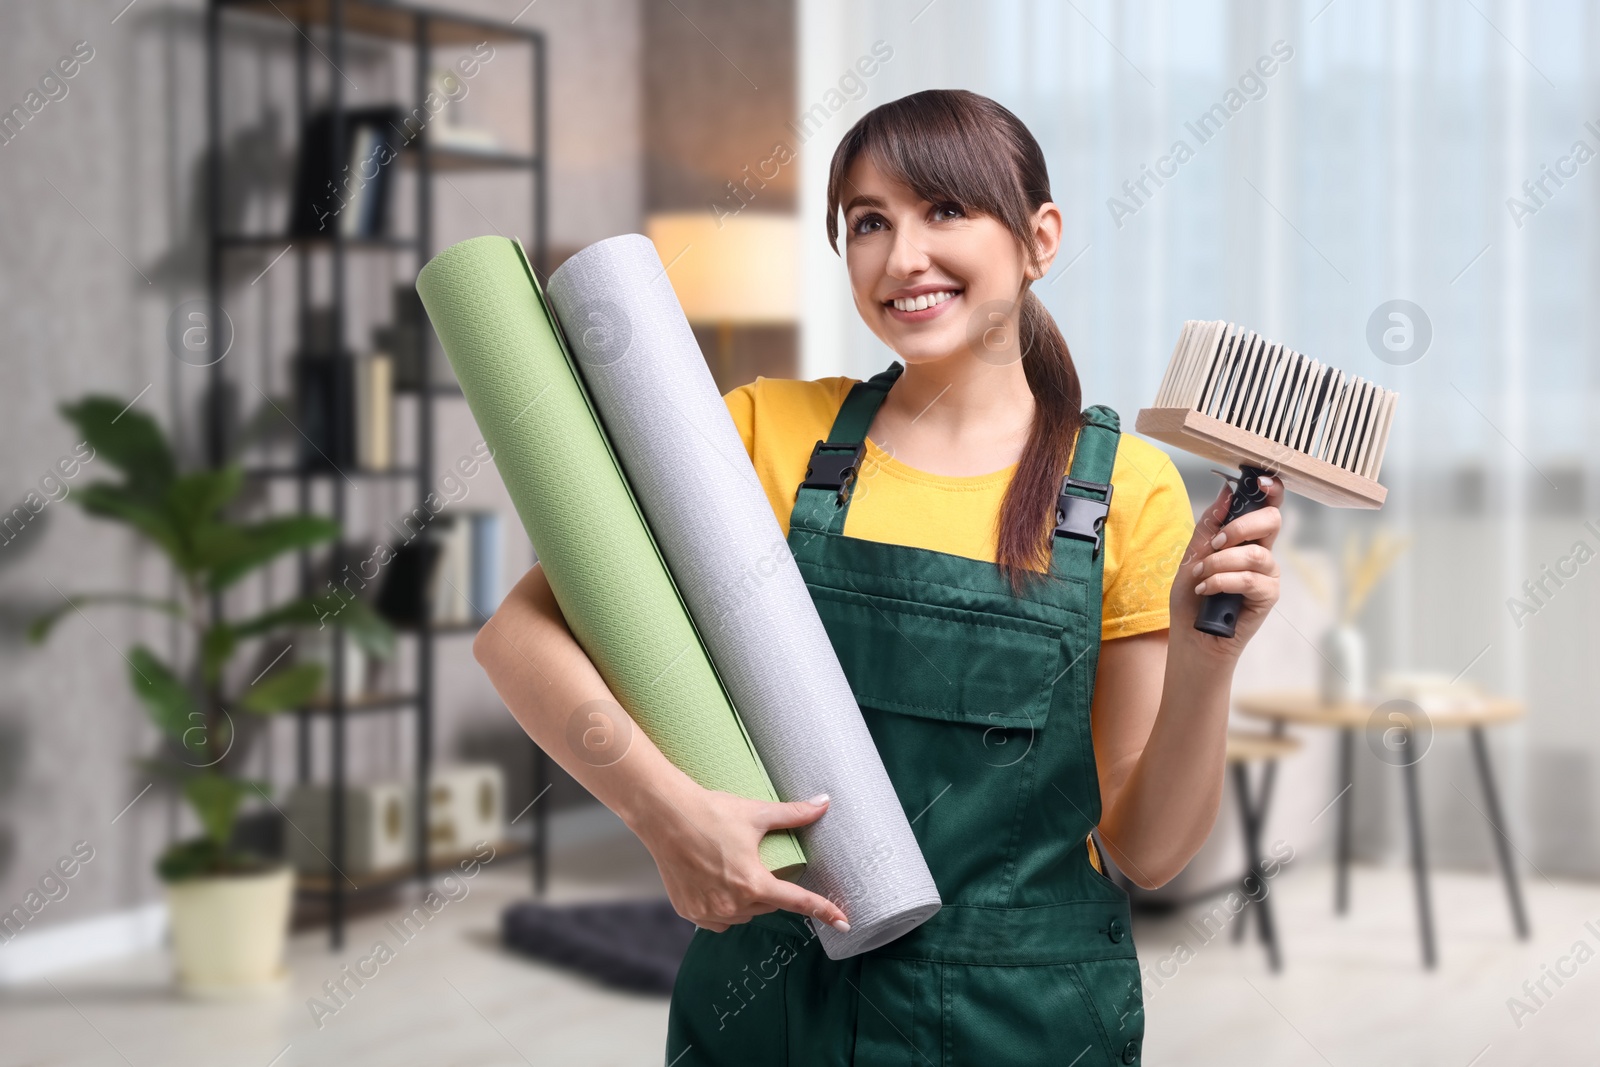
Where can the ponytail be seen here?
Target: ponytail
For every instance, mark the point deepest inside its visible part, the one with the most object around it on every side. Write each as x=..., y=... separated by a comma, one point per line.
x=1027, y=515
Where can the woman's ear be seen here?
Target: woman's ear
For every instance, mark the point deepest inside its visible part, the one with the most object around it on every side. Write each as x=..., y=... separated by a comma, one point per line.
x=1046, y=238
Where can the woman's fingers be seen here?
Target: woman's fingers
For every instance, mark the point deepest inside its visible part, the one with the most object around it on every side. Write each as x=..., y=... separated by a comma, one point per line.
x=796, y=813
x=1261, y=525
x=1207, y=525
x=715, y=896
x=768, y=894
x=1254, y=557
x=1258, y=587
x=1233, y=558
x=790, y=897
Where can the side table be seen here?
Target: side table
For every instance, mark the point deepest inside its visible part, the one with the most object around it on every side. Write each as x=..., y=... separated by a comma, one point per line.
x=1305, y=708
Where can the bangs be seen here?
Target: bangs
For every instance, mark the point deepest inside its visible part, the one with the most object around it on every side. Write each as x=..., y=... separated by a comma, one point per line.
x=944, y=148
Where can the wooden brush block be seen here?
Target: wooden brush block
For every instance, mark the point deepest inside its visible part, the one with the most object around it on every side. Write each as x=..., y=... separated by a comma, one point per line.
x=1203, y=435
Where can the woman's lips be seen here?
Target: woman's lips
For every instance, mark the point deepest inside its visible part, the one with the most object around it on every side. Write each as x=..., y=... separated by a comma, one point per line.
x=925, y=314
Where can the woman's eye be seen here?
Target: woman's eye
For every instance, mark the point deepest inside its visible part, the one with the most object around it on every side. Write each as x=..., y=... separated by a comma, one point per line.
x=865, y=223
x=954, y=211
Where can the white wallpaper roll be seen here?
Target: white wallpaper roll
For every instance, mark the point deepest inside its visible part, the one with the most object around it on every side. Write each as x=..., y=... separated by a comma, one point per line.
x=705, y=506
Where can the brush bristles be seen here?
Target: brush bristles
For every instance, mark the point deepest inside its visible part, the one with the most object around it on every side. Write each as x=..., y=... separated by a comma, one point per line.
x=1241, y=378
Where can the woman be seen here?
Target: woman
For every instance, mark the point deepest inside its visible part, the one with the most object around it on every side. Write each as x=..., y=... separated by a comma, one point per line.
x=950, y=534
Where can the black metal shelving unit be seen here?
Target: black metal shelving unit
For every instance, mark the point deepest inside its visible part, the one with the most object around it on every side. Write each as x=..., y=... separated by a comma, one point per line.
x=336, y=22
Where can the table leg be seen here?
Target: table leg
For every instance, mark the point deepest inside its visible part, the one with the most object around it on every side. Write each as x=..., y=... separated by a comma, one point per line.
x=541, y=822
x=1419, y=860
x=1341, y=884
x=1251, y=818
x=1241, y=792
x=1502, y=839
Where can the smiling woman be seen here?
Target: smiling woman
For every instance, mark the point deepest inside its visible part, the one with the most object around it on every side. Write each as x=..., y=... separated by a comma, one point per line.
x=996, y=568
x=994, y=565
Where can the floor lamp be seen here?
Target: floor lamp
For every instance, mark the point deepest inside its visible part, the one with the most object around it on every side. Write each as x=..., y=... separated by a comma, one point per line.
x=728, y=271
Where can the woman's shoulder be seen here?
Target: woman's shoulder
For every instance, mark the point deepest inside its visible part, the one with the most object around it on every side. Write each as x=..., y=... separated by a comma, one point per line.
x=1139, y=461
x=785, y=407
x=791, y=394
x=1147, y=490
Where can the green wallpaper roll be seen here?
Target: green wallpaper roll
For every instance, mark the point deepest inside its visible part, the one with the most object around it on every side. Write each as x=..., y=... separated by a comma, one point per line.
x=603, y=566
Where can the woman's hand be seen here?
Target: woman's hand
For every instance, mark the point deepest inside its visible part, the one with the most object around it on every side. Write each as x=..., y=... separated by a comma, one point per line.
x=705, y=844
x=1219, y=561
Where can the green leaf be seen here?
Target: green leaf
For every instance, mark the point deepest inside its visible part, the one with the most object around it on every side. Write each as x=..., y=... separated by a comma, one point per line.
x=196, y=497
x=290, y=687
x=129, y=440
x=230, y=552
x=40, y=627
x=191, y=859
x=202, y=857
x=305, y=611
x=170, y=705
x=215, y=799
x=150, y=518
x=216, y=647
x=371, y=631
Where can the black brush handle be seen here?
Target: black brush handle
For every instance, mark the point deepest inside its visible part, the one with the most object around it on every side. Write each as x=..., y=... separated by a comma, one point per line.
x=1219, y=612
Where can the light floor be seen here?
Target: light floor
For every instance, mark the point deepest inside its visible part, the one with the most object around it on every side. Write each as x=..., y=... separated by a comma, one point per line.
x=1352, y=993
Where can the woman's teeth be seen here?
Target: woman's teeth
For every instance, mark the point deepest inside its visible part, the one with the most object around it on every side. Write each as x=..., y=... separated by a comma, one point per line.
x=926, y=300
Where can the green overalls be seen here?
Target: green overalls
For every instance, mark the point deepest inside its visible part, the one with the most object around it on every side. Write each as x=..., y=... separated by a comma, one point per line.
x=978, y=701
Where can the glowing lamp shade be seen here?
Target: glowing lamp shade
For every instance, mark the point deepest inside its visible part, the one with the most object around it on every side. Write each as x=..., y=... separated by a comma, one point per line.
x=743, y=272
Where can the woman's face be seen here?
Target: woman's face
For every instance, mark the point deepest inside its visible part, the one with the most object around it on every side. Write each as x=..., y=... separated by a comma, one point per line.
x=928, y=279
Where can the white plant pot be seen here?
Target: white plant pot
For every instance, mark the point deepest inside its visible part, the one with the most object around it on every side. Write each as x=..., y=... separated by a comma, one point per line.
x=1344, y=666
x=229, y=933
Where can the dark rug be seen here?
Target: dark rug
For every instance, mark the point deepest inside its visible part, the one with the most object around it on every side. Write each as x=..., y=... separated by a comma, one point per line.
x=635, y=945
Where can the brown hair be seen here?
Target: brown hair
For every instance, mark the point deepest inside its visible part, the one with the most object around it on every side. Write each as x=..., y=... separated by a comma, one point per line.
x=954, y=145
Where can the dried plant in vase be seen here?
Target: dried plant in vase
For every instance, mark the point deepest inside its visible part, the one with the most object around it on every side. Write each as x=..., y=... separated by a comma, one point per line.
x=1344, y=676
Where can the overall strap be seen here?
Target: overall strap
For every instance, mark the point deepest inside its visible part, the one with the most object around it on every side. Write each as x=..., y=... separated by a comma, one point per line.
x=1085, y=496
x=823, y=498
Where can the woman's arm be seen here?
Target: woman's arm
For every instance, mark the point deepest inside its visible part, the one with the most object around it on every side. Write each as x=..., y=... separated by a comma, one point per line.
x=704, y=841
x=1160, y=714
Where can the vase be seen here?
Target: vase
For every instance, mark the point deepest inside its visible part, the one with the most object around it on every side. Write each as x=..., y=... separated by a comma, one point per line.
x=1344, y=666
x=229, y=933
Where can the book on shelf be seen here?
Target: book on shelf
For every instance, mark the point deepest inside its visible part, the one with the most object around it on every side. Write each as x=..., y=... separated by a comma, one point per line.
x=352, y=193
x=374, y=412
x=407, y=578
x=461, y=580
x=453, y=578
x=324, y=400
x=402, y=338
x=487, y=543
x=355, y=218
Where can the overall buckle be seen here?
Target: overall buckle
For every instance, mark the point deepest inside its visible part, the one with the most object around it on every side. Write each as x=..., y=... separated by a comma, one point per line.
x=1080, y=516
x=833, y=467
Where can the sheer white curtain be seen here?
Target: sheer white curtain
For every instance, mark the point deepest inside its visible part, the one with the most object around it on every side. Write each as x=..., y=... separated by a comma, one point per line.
x=1339, y=155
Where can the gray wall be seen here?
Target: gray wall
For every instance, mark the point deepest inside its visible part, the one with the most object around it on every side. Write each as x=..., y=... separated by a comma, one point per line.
x=94, y=266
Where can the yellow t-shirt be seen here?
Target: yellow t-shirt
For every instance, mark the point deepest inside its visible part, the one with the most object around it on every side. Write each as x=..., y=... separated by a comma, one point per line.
x=1146, y=531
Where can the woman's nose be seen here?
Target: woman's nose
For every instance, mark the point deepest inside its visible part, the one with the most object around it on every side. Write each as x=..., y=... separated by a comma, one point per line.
x=905, y=258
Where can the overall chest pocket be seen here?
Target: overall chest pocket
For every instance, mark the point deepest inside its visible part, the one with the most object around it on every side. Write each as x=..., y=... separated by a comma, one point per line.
x=942, y=662
x=956, y=681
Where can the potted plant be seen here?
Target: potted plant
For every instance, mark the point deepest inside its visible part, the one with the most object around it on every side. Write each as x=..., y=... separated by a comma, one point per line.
x=229, y=907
